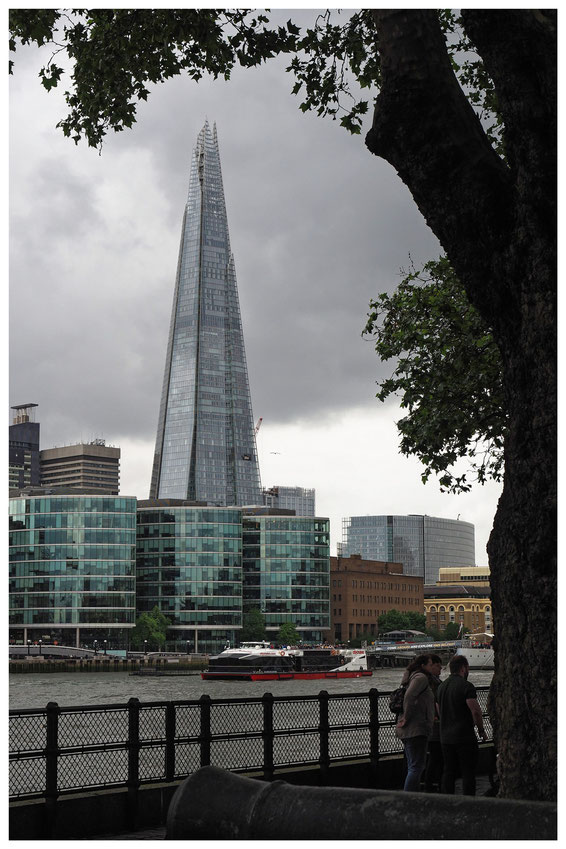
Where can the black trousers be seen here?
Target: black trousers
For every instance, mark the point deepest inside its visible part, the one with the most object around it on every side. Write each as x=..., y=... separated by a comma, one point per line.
x=460, y=758
x=434, y=765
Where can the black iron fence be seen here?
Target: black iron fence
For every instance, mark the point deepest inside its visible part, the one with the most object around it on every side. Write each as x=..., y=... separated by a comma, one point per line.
x=58, y=750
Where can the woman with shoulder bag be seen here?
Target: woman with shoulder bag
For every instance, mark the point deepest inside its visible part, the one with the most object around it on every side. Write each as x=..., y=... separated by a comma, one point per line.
x=415, y=723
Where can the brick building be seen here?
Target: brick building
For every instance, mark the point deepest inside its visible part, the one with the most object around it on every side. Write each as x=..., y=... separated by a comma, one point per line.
x=461, y=595
x=361, y=590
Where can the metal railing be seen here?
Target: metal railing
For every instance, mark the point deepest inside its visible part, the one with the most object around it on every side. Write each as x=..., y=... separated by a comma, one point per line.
x=59, y=750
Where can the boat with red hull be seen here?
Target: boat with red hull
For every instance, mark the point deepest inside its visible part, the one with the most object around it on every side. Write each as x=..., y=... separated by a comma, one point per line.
x=260, y=661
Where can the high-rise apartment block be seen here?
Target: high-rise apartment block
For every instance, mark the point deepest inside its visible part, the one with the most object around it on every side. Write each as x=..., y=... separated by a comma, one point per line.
x=423, y=544
x=93, y=465
x=23, y=447
x=205, y=447
x=296, y=498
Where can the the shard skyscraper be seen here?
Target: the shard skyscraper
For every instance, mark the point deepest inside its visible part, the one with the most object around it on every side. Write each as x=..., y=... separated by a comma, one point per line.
x=205, y=448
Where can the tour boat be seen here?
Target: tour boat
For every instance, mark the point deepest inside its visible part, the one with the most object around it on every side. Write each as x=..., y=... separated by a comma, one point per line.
x=477, y=648
x=260, y=661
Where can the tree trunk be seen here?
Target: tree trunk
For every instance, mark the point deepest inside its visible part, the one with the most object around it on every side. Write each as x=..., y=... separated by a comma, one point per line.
x=497, y=223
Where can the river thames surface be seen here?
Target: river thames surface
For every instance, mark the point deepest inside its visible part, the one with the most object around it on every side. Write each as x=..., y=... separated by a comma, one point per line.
x=34, y=690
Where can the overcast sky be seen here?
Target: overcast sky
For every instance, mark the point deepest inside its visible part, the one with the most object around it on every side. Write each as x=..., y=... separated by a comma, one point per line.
x=318, y=227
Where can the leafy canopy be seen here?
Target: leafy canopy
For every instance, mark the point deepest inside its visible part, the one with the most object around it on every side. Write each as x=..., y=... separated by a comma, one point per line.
x=396, y=620
x=447, y=374
x=151, y=627
x=116, y=54
x=288, y=635
x=253, y=625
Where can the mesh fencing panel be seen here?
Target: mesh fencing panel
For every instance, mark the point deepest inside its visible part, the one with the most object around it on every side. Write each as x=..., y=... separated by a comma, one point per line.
x=93, y=742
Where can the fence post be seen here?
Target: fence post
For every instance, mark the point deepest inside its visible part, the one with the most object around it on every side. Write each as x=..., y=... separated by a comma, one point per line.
x=323, y=730
x=133, y=747
x=205, y=734
x=170, y=721
x=268, y=736
x=374, y=730
x=51, y=763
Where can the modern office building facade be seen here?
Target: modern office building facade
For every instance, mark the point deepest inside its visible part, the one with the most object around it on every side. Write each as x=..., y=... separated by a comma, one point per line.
x=189, y=565
x=205, y=447
x=91, y=465
x=23, y=456
x=286, y=562
x=72, y=568
x=423, y=544
x=296, y=498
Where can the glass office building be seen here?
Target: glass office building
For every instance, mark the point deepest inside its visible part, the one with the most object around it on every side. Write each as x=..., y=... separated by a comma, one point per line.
x=296, y=498
x=423, y=544
x=287, y=572
x=205, y=448
x=189, y=565
x=72, y=569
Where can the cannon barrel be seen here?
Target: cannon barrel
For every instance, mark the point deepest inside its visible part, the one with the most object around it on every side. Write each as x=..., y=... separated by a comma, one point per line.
x=216, y=804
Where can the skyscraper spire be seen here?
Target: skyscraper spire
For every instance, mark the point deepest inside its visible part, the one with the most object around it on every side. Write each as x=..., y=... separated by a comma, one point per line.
x=205, y=448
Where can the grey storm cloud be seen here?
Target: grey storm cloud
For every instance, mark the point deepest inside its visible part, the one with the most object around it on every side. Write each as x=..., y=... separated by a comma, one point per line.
x=318, y=227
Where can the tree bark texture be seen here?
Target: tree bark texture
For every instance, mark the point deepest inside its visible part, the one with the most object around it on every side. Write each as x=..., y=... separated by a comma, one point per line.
x=496, y=220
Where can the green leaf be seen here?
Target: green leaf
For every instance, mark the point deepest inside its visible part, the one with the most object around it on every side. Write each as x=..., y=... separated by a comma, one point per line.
x=447, y=375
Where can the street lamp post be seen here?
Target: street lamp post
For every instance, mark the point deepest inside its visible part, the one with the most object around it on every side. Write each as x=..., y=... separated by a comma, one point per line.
x=96, y=646
x=39, y=643
x=29, y=646
x=104, y=646
x=145, y=646
x=188, y=644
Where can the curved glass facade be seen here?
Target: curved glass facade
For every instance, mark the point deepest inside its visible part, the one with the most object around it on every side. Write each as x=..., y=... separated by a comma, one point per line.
x=287, y=572
x=423, y=544
x=205, y=448
x=189, y=564
x=72, y=568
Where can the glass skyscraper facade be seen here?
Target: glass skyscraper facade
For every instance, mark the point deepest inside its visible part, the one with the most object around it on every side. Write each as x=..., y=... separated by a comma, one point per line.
x=72, y=569
x=205, y=448
x=287, y=572
x=189, y=565
x=423, y=544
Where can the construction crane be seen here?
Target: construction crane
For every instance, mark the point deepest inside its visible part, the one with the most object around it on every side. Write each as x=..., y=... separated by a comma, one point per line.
x=258, y=425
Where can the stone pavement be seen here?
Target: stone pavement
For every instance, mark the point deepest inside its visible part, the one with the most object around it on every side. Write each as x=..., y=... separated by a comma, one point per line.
x=158, y=832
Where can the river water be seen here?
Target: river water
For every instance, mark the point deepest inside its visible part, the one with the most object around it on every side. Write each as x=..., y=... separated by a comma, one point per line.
x=35, y=690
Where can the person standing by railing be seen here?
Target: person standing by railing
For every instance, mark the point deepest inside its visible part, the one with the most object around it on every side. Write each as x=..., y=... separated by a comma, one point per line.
x=434, y=761
x=415, y=723
x=459, y=713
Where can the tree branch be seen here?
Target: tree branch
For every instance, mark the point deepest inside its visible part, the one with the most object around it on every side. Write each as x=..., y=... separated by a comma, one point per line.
x=518, y=48
x=459, y=183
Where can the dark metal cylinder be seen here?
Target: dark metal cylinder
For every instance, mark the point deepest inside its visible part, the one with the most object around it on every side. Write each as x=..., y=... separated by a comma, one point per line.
x=216, y=804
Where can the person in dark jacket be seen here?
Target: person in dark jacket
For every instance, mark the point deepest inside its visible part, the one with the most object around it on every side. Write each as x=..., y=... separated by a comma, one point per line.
x=434, y=760
x=459, y=713
x=415, y=723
